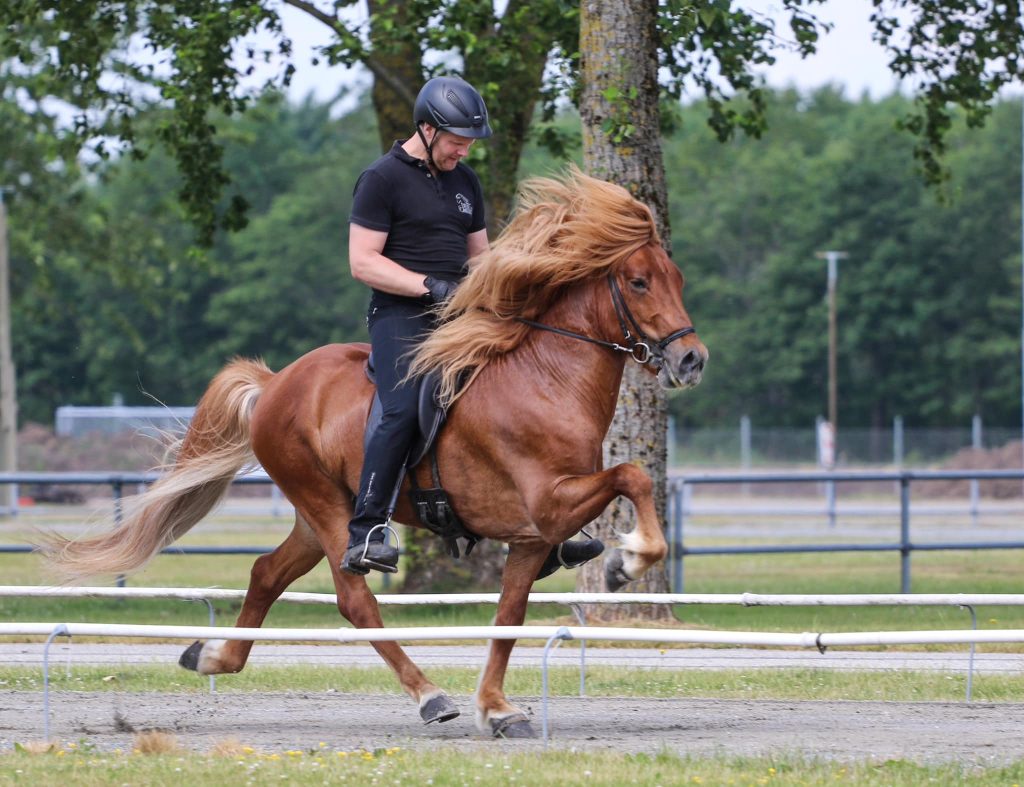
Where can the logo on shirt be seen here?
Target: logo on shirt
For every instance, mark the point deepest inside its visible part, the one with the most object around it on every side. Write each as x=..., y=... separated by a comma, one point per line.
x=465, y=206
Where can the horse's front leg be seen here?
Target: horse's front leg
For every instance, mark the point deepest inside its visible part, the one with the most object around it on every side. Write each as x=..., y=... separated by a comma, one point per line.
x=574, y=501
x=495, y=715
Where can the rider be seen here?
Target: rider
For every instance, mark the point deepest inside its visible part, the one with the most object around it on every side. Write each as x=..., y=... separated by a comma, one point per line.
x=417, y=219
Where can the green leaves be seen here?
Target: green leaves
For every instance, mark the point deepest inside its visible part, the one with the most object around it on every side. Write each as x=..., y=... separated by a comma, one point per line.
x=955, y=53
x=929, y=298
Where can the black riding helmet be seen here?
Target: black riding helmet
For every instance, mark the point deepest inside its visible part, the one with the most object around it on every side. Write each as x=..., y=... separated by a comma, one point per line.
x=453, y=105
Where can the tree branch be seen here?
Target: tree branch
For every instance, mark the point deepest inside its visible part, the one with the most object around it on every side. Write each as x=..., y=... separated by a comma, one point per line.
x=368, y=59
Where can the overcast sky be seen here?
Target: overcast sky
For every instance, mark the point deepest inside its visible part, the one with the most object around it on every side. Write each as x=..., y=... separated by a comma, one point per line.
x=847, y=56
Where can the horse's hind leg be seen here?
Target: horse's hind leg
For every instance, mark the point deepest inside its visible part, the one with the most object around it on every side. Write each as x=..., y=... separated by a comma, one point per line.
x=358, y=605
x=328, y=509
x=271, y=575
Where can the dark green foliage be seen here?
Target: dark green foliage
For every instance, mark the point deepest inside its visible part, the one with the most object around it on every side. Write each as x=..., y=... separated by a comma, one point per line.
x=109, y=298
x=928, y=300
x=105, y=62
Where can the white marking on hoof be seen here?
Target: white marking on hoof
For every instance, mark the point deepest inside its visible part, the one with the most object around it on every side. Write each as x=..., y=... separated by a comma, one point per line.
x=480, y=719
x=428, y=696
x=485, y=719
x=631, y=545
x=209, y=657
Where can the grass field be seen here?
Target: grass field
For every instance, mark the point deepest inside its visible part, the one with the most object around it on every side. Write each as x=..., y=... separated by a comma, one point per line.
x=783, y=684
x=156, y=762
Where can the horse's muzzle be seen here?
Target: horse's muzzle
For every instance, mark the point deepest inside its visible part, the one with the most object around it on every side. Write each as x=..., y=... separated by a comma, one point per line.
x=684, y=368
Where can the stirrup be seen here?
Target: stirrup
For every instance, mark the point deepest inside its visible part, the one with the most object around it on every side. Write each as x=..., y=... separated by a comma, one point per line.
x=386, y=526
x=361, y=564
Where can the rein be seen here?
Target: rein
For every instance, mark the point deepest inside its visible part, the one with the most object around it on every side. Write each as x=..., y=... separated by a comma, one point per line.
x=643, y=350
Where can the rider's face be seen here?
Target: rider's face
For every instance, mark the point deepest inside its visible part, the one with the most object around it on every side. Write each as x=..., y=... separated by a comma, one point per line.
x=449, y=149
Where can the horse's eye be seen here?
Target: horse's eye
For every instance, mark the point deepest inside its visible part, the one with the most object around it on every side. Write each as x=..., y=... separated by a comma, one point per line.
x=638, y=284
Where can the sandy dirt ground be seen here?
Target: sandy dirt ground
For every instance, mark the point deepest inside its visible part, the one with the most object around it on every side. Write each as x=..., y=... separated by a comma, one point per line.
x=975, y=733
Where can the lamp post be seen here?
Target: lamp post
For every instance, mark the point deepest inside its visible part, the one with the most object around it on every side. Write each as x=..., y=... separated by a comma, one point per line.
x=828, y=435
x=832, y=257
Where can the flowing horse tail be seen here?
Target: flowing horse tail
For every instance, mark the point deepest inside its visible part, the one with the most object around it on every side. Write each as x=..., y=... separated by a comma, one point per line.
x=215, y=447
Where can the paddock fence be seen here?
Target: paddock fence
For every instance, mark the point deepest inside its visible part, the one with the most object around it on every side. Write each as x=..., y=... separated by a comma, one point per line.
x=681, y=508
x=551, y=635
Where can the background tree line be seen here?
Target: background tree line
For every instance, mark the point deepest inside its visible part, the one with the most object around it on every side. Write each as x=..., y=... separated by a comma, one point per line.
x=108, y=296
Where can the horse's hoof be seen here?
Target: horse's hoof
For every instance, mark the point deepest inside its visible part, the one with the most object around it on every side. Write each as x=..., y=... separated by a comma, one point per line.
x=615, y=576
x=514, y=726
x=439, y=708
x=190, y=658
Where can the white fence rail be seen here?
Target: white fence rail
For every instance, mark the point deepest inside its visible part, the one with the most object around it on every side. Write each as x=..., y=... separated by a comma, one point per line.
x=567, y=599
x=552, y=635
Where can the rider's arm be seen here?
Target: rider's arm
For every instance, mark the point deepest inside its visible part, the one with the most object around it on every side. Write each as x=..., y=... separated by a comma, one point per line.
x=476, y=243
x=371, y=267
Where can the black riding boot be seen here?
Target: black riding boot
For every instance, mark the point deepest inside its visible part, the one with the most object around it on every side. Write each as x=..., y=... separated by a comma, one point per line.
x=571, y=554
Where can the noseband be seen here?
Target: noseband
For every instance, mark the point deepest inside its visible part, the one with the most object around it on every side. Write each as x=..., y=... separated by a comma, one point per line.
x=640, y=347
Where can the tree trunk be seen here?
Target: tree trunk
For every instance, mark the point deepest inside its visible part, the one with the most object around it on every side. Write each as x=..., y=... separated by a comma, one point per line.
x=525, y=36
x=621, y=143
x=402, y=58
x=430, y=569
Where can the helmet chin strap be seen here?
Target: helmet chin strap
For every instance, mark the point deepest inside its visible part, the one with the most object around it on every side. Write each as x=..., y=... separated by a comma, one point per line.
x=429, y=146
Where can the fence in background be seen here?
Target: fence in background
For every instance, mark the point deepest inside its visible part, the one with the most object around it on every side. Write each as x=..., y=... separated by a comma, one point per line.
x=746, y=446
x=76, y=421
x=679, y=508
x=750, y=445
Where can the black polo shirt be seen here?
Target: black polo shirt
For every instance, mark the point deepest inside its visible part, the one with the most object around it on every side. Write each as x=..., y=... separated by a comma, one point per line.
x=426, y=218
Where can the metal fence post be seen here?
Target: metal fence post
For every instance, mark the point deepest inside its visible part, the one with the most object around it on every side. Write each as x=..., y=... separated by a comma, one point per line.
x=678, y=512
x=976, y=445
x=118, y=493
x=745, y=452
x=904, y=533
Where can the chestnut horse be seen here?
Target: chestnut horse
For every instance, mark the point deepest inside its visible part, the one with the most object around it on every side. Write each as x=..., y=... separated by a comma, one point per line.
x=538, y=335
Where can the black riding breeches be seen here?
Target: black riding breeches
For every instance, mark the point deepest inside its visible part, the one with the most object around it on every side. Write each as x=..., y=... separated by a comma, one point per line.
x=395, y=329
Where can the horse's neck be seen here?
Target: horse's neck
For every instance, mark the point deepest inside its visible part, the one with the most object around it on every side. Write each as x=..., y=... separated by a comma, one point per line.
x=573, y=371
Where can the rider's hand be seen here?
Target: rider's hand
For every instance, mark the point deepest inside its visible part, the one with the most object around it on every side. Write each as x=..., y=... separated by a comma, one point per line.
x=438, y=290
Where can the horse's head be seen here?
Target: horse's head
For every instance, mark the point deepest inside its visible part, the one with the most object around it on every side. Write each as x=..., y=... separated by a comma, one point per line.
x=647, y=290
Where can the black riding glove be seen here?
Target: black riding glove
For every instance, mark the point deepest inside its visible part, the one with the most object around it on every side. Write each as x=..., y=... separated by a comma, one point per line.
x=438, y=290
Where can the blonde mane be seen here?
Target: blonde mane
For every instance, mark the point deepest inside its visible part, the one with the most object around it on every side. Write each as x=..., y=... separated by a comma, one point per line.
x=564, y=230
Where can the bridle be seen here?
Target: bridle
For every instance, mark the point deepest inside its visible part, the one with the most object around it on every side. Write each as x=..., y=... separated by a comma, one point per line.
x=640, y=347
